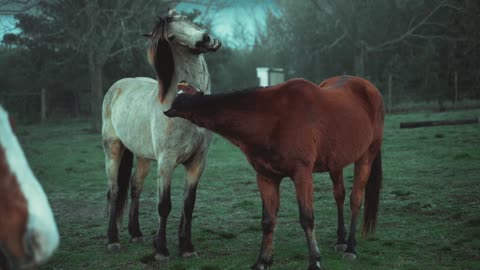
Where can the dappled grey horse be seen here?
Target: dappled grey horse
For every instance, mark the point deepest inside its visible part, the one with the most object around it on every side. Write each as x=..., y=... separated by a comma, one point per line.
x=134, y=125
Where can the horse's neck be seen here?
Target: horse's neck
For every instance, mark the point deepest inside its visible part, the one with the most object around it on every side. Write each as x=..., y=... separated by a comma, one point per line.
x=188, y=67
x=191, y=68
x=237, y=120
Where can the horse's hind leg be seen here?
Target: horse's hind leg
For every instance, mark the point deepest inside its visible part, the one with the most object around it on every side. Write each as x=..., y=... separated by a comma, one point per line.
x=361, y=174
x=304, y=190
x=194, y=172
x=117, y=167
x=339, y=195
x=165, y=171
x=269, y=190
x=143, y=166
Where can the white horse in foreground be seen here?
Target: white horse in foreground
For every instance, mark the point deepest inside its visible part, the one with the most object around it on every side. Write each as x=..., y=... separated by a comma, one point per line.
x=28, y=232
x=134, y=124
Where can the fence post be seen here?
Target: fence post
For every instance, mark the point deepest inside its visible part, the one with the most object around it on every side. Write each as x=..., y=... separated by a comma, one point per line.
x=43, y=104
x=390, y=92
x=456, y=90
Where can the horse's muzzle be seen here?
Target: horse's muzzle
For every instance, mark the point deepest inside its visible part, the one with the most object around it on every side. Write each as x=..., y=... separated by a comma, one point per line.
x=216, y=45
x=208, y=44
x=170, y=113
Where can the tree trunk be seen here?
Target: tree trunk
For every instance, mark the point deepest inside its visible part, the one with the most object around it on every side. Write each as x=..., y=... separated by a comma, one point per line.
x=359, y=63
x=96, y=83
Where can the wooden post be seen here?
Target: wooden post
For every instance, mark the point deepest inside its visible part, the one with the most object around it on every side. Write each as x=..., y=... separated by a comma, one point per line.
x=439, y=123
x=390, y=92
x=43, y=104
x=456, y=90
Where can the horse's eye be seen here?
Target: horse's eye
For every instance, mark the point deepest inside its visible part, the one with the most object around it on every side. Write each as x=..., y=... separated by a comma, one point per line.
x=149, y=35
x=171, y=38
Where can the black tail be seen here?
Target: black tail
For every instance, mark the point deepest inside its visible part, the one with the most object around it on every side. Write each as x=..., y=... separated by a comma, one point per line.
x=372, y=197
x=123, y=181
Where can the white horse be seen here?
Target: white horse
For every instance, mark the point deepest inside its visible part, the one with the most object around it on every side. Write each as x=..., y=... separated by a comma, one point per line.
x=28, y=232
x=134, y=124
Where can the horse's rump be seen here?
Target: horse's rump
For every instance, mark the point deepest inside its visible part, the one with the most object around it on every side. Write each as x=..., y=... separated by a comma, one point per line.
x=127, y=114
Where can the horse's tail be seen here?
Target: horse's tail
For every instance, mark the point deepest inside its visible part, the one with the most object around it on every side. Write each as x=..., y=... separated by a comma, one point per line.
x=123, y=181
x=372, y=197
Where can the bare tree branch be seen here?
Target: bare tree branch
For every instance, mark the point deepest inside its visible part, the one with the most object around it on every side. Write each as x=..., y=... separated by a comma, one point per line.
x=12, y=7
x=411, y=31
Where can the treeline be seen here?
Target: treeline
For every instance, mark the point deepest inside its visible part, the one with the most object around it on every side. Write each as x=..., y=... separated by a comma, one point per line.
x=425, y=46
x=77, y=49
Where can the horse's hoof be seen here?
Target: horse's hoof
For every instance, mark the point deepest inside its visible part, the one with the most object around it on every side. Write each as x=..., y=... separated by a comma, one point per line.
x=161, y=257
x=192, y=254
x=138, y=239
x=261, y=266
x=349, y=256
x=340, y=247
x=113, y=247
x=315, y=266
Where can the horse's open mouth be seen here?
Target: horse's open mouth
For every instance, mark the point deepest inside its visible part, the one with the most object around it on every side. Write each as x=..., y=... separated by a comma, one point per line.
x=186, y=88
x=210, y=46
x=216, y=45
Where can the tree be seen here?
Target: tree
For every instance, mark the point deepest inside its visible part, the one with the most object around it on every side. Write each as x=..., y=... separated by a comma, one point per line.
x=96, y=31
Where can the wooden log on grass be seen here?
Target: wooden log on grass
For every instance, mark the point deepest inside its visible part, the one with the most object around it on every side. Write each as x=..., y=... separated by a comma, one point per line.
x=439, y=123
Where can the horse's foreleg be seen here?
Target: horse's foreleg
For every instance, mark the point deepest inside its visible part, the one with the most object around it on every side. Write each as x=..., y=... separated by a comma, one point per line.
x=269, y=190
x=165, y=171
x=304, y=190
x=194, y=172
x=361, y=174
x=339, y=195
x=143, y=165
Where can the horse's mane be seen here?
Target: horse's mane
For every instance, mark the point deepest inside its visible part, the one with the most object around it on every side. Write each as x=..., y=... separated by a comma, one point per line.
x=163, y=59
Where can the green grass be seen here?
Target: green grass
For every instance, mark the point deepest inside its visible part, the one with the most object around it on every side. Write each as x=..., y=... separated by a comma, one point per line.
x=434, y=105
x=429, y=216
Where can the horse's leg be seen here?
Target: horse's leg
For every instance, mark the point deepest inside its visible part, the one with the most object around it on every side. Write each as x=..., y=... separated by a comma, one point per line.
x=165, y=171
x=339, y=195
x=304, y=190
x=114, y=150
x=194, y=172
x=269, y=190
x=361, y=174
x=143, y=166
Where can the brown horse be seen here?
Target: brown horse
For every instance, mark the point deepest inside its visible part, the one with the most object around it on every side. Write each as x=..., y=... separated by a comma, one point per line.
x=296, y=128
x=28, y=232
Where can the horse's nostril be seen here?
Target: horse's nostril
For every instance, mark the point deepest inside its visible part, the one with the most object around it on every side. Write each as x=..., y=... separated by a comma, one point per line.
x=32, y=243
x=206, y=38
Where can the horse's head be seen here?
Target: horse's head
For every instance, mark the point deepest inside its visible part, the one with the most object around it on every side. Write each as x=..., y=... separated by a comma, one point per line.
x=183, y=101
x=179, y=31
x=28, y=232
x=175, y=31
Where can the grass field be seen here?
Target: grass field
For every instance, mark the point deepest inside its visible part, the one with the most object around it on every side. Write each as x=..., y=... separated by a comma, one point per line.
x=429, y=216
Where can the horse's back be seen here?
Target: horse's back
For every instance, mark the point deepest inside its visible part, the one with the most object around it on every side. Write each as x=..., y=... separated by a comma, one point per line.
x=356, y=88
x=127, y=114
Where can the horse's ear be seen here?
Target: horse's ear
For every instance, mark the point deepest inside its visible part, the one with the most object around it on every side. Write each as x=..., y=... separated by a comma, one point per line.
x=172, y=12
